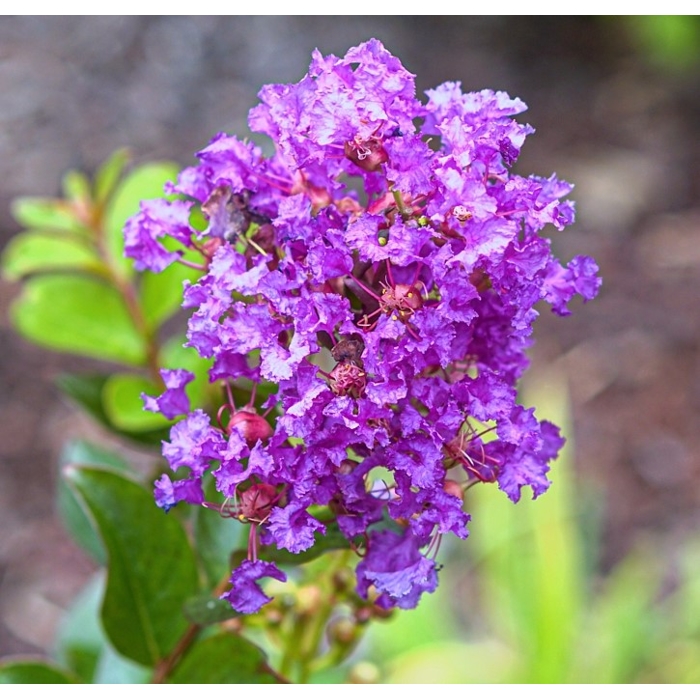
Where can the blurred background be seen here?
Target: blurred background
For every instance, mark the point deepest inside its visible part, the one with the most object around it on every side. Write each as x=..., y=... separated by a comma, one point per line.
x=599, y=580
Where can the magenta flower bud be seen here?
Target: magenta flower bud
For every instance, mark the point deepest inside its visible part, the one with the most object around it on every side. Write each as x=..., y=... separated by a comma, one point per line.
x=251, y=426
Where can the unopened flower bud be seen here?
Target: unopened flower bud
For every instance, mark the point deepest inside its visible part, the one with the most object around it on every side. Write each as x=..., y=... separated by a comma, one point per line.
x=364, y=673
x=251, y=426
x=343, y=579
x=256, y=502
x=363, y=615
x=342, y=631
x=308, y=599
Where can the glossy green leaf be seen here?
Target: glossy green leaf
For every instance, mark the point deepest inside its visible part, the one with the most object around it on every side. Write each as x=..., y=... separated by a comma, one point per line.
x=76, y=522
x=223, y=658
x=108, y=174
x=87, y=390
x=204, y=610
x=81, y=644
x=79, y=527
x=152, y=569
x=30, y=671
x=161, y=293
x=84, y=453
x=144, y=182
x=80, y=640
x=37, y=251
x=113, y=668
x=47, y=214
x=123, y=405
x=78, y=315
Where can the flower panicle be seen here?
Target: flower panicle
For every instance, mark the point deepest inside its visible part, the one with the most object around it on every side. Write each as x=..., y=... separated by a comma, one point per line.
x=392, y=322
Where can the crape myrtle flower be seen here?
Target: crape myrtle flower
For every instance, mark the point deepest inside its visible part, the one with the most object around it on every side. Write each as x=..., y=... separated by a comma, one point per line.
x=382, y=329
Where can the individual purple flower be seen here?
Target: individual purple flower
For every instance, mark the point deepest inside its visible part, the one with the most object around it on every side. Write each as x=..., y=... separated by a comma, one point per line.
x=194, y=442
x=396, y=568
x=143, y=232
x=169, y=493
x=173, y=401
x=293, y=528
x=246, y=596
x=580, y=276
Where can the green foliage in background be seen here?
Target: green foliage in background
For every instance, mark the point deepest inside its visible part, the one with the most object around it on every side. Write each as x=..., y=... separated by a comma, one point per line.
x=79, y=294
x=534, y=609
x=669, y=42
x=530, y=607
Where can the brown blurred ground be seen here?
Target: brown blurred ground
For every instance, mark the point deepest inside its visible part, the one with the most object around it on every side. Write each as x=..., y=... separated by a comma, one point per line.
x=626, y=132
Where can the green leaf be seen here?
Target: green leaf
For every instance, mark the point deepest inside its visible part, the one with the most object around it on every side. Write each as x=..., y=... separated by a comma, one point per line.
x=113, y=668
x=215, y=538
x=108, y=174
x=144, y=182
x=121, y=398
x=29, y=671
x=87, y=390
x=82, y=646
x=38, y=251
x=76, y=522
x=161, y=293
x=152, y=569
x=204, y=610
x=41, y=213
x=80, y=640
x=78, y=315
x=223, y=658
x=86, y=453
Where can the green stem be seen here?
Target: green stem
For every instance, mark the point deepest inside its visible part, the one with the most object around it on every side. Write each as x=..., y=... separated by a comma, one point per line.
x=313, y=627
x=405, y=213
x=166, y=665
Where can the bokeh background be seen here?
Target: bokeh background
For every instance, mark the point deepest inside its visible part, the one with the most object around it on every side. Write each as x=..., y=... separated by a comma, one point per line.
x=616, y=105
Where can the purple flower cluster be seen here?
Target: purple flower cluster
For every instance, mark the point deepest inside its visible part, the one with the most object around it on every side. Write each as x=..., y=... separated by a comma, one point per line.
x=373, y=285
